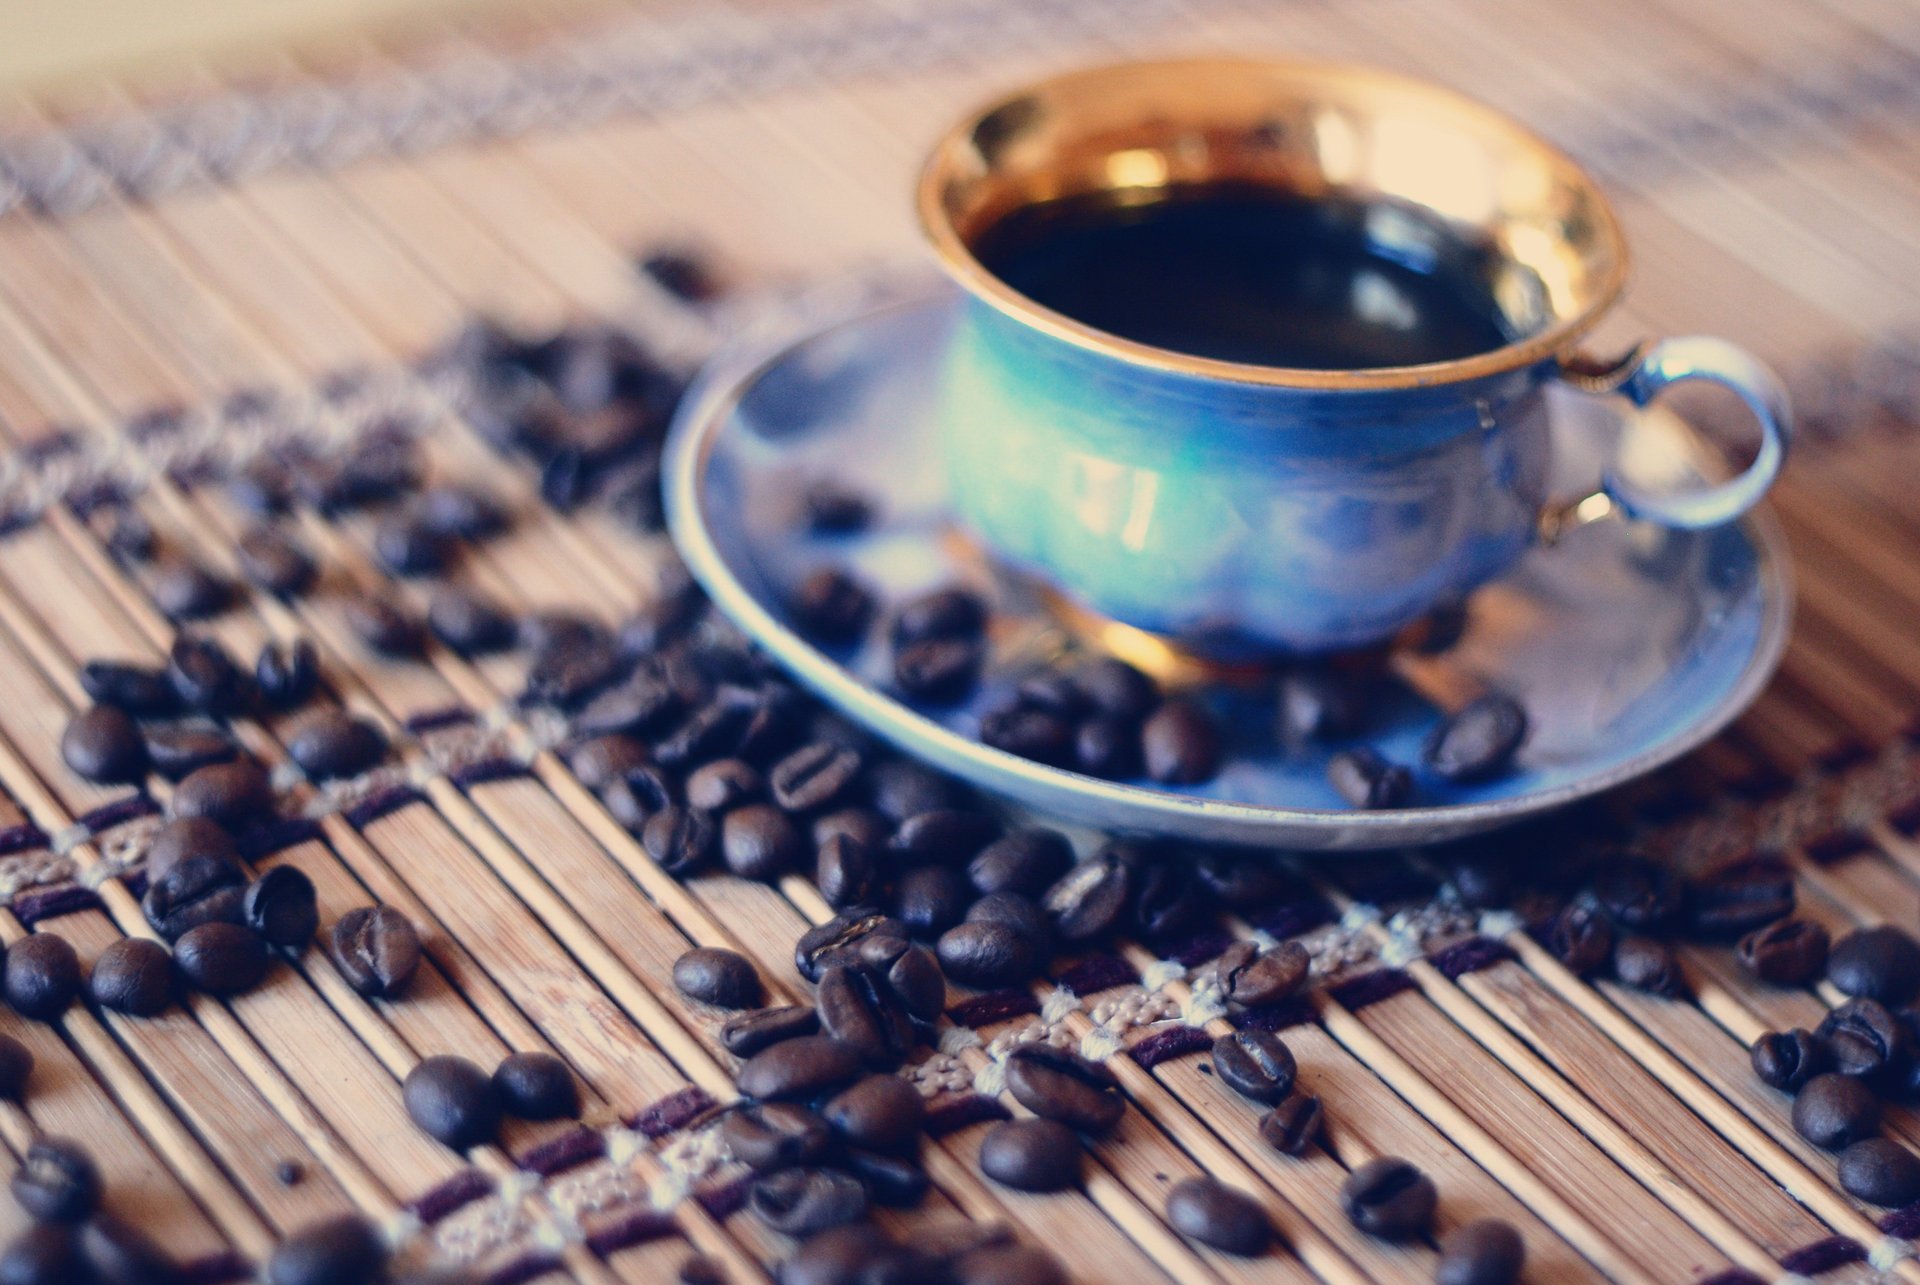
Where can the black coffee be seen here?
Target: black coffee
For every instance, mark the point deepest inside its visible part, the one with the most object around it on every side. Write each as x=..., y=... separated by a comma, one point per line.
x=1240, y=272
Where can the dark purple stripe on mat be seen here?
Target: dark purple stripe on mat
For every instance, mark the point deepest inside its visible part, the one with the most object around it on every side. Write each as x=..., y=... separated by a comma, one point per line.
x=967, y=1109
x=994, y=1006
x=456, y=1192
x=637, y=1226
x=568, y=1151
x=1668, y=807
x=487, y=770
x=675, y=1111
x=119, y=812
x=533, y=1263
x=1369, y=988
x=1291, y=918
x=1836, y=844
x=1842, y=754
x=18, y=838
x=725, y=1200
x=276, y=836
x=89, y=499
x=1904, y=1221
x=1274, y=1017
x=217, y=1269
x=432, y=720
x=1194, y=950
x=14, y=521
x=1760, y=783
x=1823, y=1255
x=375, y=806
x=1097, y=973
x=1470, y=956
x=1733, y=1276
x=135, y=882
x=1905, y=816
x=47, y=903
x=1163, y=1046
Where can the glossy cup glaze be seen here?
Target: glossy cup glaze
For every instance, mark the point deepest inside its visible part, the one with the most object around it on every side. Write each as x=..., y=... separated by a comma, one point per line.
x=1240, y=510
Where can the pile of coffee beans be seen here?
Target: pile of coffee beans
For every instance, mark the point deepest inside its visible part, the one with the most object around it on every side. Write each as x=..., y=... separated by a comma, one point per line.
x=71, y=1238
x=457, y=1103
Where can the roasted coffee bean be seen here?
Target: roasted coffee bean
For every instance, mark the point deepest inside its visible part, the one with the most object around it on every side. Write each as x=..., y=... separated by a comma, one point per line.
x=931, y=899
x=1032, y=1154
x=1294, y=1125
x=675, y=608
x=1021, y=913
x=1055, y=691
x=719, y=977
x=870, y=828
x=340, y=1251
x=572, y=670
x=1582, y=939
x=104, y=744
x=460, y=512
x=1242, y=882
x=1217, y=1215
x=194, y=890
x=1740, y=897
x=1639, y=894
x=944, y=613
x=840, y=940
x=859, y=1009
x=1025, y=861
x=548, y=631
x=186, y=591
x=1116, y=688
x=748, y=1033
x=236, y=796
x=899, y=788
x=376, y=949
x=897, y=1182
x=602, y=760
x=830, y=606
x=1864, y=1038
x=917, y=980
x=641, y=702
x=1036, y=734
x=770, y=1136
x=1482, y=882
x=1061, y=1085
x=1368, y=781
x=274, y=561
x=802, y=1067
x=1320, y=704
x=118, y=1253
x=879, y=1113
x=406, y=546
x=986, y=953
x=57, y=1181
x=832, y=509
x=760, y=842
x=287, y=674
x=1834, y=1111
x=382, y=626
x=133, y=976
x=1090, y=900
x=1476, y=741
x=331, y=743
x=1180, y=744
x=1389, y=1198
x=1880, y=1171
x=469, y=622
x=943, y=836
x=16, y=1067
x=814, y=776
x=845, y=872
x=938, y=671
x=1255, y=1064
x=1880, y=963
x=536, y=1086
x=184, y=837
x=1648, y=964
x=851, y=1254
x=1787, y=952
x=281, y=907
x=724, y=784
x=44, y=1254
x=220, y=958
x=1248, y=977
x=42, y=976
x=1786, y=1060
x=137, y=689
x=1166, y=900
x=1486, y=1252
x=713, y=729
x=180, y=749
x=800, y=1202
x=452, y=1100
x=203, y=676
x=1107, y=748
x=680, y=840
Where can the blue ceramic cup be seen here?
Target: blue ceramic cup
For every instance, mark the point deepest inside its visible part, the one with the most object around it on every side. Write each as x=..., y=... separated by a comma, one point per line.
x=1244, y=511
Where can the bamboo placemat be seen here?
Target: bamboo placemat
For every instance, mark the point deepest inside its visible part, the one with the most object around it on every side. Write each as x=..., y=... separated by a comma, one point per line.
x=259, y=229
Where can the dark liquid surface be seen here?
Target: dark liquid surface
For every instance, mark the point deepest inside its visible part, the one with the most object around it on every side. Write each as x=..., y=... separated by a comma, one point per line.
x=1251, y=274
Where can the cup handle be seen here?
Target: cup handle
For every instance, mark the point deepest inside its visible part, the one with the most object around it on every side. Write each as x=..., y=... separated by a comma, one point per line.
x=1640, y=377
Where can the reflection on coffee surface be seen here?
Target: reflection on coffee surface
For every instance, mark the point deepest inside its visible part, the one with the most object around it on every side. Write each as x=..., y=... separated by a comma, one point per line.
x=1247, y=273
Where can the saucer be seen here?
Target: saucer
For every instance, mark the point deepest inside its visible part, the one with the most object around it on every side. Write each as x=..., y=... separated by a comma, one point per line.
x=1628, y=645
